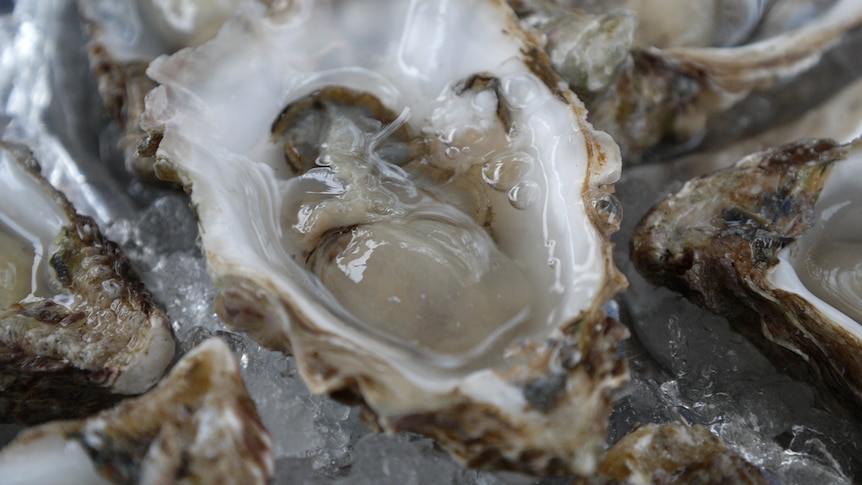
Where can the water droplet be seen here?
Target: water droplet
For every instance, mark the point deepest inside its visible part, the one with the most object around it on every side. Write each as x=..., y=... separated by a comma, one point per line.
x=524, y=195
x=502, y=174
x=452, y=152
x=608, y=208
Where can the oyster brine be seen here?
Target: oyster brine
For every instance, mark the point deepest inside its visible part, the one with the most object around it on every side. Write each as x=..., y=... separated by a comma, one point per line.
x=773, y=243
x=406, y=196
x=77, y=327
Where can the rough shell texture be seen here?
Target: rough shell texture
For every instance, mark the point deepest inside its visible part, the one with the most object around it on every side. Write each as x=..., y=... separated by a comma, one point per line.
x=535, y=401
x=69, y=352
x=719, y=241
x=198, y=426
x=674, y=453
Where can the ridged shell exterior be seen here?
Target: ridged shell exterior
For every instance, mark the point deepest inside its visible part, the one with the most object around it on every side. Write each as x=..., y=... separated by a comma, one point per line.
x=718, y=239
x=69, y=360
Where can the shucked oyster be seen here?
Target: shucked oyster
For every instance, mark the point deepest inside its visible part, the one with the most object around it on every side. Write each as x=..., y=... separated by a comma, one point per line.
x=198, y=426
x=125, y=36
x=77, y=328
x=773, y=243
x=405, y=196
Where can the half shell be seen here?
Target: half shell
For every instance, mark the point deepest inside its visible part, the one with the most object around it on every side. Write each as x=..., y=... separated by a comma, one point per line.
x=77, y=327
x=426, y=232
x=198, y=426
x=773, y=243
x=666, y=93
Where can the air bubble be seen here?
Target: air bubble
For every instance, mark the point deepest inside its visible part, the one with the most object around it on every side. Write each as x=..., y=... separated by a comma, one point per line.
x=524, y=195
x=324, y=161
x=452, y=152
x=608, y=208
x=502, y=174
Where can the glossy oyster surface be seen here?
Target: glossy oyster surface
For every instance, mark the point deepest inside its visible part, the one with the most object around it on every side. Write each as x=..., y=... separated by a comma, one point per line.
x=77, y=327
x=198, y=426
x=773, y=243
x=426, y=232
x=124, y=37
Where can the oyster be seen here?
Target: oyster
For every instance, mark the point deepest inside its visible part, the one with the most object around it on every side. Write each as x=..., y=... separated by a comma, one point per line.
x=77, y=328
x=125, y=36
x=674, y=453
x=666, y=95
x=198, y=426
x=427, y=233
x=773, y=243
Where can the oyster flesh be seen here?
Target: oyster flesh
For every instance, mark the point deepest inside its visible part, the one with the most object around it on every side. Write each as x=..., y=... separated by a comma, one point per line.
x=427, y=233
x=125, y=36
x=198, y=426
x=77, y=327
x=773, y=243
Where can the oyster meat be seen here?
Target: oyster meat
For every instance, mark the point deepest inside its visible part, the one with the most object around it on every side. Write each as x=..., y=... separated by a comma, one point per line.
x=125, y=36
x=77, y=327
x=428, y=233
x=773, y=243
x=198, y=426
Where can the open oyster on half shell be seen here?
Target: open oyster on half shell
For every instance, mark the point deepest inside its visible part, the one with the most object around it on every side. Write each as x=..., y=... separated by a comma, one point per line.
x=406, y=197
x=77, y=328
x=198, y=426
x=773, y=243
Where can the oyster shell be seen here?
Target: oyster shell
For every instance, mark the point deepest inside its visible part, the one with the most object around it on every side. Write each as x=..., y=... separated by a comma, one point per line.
x=77, y=328
x=427, y=233
x=773, y=244
x=674, y=453
x=666, y=95
x=198, y=426
x=125, y=36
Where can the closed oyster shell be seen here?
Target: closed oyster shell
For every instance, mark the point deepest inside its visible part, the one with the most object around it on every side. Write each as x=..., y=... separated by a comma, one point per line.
x=772, y=243
x=198, y=426
x=77, y=327
x=294, y=131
